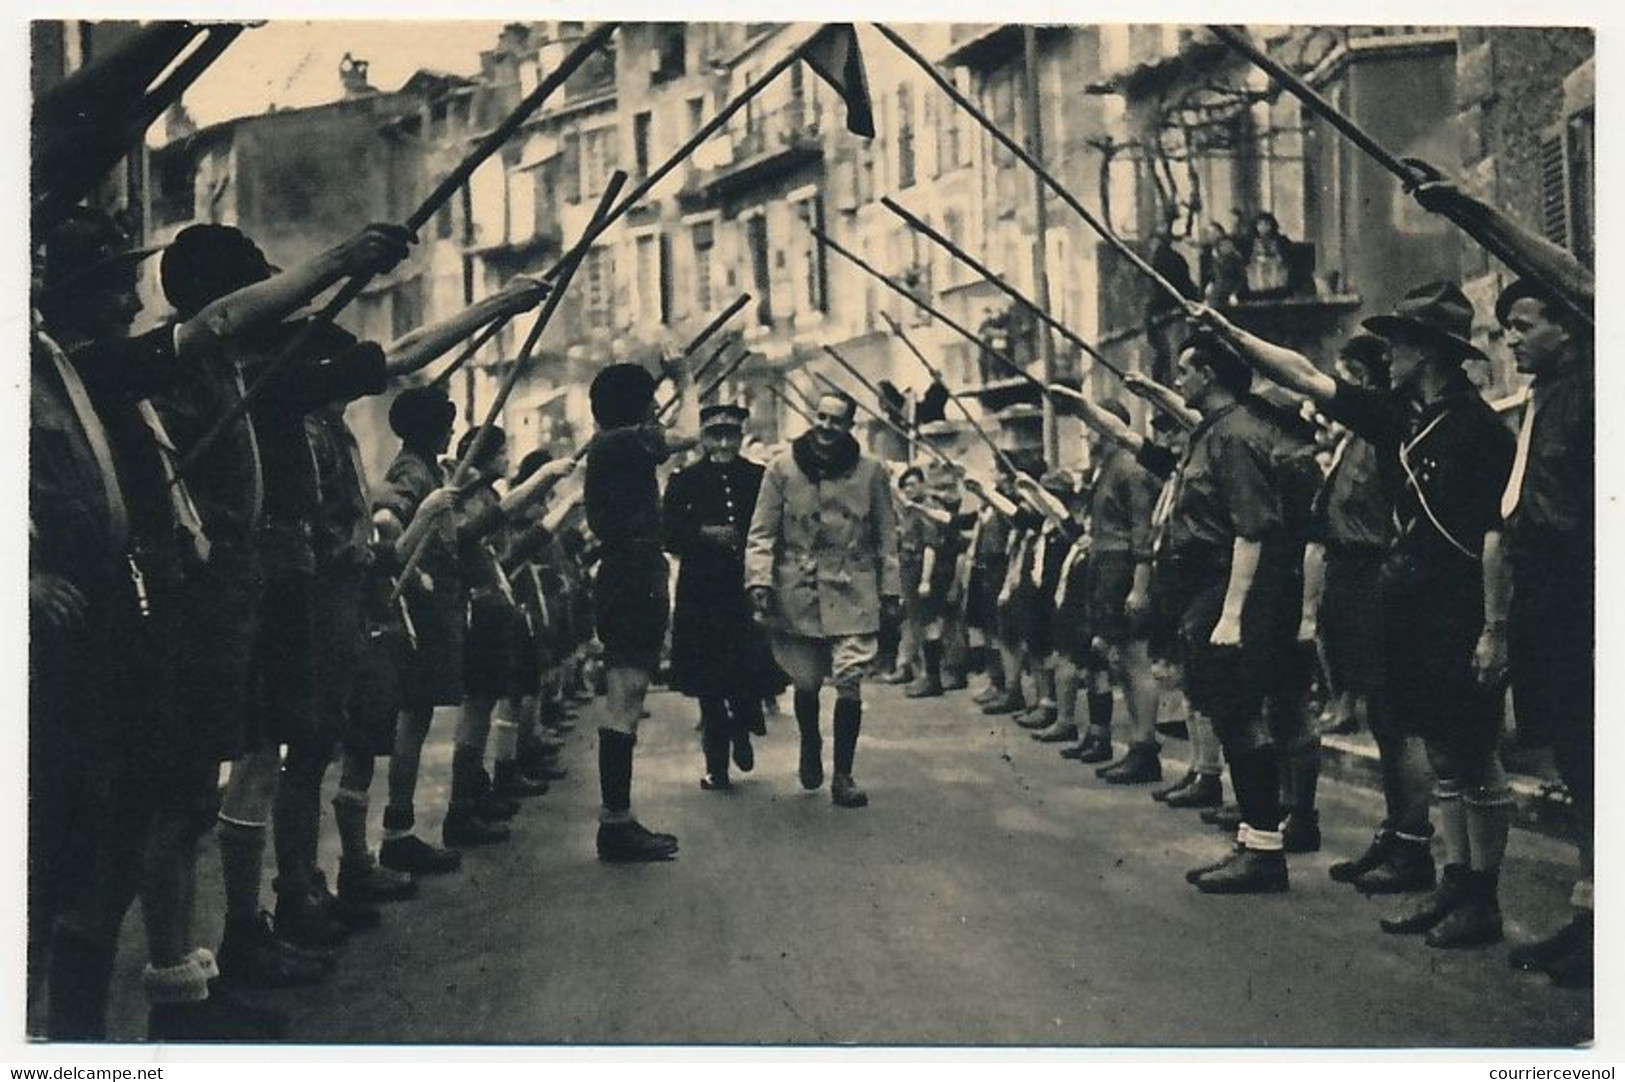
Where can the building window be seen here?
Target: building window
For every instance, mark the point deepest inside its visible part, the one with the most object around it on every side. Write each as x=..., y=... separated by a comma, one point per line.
x=598, y=161
x=761, y=267
x=703, y=235
x=406, y=313
x=598, y=269
x=570, y=168
x=696, y=116
x=641, y=123
x=668, y=61
x=815, y=276
x=652, y=300
x=905, y=137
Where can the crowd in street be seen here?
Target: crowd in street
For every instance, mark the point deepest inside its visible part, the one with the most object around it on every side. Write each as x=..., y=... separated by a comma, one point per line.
x=205, y=541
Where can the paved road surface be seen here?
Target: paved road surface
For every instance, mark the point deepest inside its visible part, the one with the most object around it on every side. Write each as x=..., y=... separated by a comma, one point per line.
x=992, y=893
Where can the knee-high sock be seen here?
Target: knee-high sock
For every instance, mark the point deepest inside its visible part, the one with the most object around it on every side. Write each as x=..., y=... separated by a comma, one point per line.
x=350, y=818
x=242, y=849
x=1458, y=845
x=1255, y=775
x=615, y=775
x=848, y=720
x=1487, y=828
x=1100, y=711
x=931, y=651
x=806, y=705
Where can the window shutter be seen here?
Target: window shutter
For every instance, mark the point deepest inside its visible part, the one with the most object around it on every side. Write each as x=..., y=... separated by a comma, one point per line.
x=1554, y=189
x=664, y=270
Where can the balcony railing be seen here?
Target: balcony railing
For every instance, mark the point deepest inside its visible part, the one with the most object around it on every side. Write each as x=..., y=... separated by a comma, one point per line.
x=794, y=124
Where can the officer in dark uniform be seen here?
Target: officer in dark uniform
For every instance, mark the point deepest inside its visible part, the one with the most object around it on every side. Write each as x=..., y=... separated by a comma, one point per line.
x=718, y=653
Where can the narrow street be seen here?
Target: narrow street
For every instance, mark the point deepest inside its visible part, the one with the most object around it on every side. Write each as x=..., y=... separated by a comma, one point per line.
x=992, y=893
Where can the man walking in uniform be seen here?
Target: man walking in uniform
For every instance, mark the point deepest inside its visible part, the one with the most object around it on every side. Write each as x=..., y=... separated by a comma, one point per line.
x=718, y=654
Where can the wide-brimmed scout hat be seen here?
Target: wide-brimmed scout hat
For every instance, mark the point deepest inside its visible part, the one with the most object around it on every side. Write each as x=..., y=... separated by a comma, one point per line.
x=1438, y=313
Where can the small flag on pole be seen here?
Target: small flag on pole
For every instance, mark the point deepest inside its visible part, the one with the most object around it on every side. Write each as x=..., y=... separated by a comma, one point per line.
x=833, y=53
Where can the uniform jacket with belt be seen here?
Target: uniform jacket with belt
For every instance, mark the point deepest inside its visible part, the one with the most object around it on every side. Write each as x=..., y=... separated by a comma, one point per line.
x=824, y=538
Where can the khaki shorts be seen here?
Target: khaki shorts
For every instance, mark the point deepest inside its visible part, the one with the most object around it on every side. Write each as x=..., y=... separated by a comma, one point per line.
x=841, y=659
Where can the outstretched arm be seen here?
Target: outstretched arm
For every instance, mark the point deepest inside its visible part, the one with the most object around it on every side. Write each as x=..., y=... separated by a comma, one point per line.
x=1289, y=368
x=374, y=250
x=417, y=348
x=1553, y=263
x=1166, y=399
x=1107, y=424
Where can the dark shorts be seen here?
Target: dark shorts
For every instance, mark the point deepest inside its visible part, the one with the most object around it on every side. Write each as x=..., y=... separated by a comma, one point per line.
x=631, y=607
x=439, y=617
x=1553, y=651
x=1073, y=633
x=489, y=646
x=982, y=610
x=219, y=629
x=1350, y=620
x=1108, y=578
x=341, y=643
x=1227, y=683
x=1431, y=620
x=1159, y=624
x=282, y=707
x=529, y=657
x=383, y=674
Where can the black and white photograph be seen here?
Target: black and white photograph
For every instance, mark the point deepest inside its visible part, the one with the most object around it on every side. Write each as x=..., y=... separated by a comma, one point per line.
x=782, y=536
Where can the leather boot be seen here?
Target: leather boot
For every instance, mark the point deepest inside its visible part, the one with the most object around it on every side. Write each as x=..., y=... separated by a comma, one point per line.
x=1039, y=717
x=1408, y=866
x=1476, y=922
x=1142, y=764
x=1439, y=903
x=511, y=782
x=1227, y=817
x=464, y=828
x=370, y=882
x=903, y=674
x=988, y=694
x=954, y=679
x=1253, y=871
x=1205, y=792
x=1096, y=747
x=1577, y=935
x=1223, y=862
x=1347, y=871
x=1007, y=702
x=1059, y=733
x=1162, y=793
x=1300, y=831
x=844, y=792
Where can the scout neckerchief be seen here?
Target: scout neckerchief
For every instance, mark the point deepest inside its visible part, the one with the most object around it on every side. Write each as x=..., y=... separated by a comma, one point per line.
x=1520, y=461
x=1079, y=550
x=1323, y=495
x=118, y=516
x=180, y=497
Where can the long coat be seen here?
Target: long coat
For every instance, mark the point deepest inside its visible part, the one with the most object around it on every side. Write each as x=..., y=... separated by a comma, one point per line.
x=827, y=548
x=716, y=647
